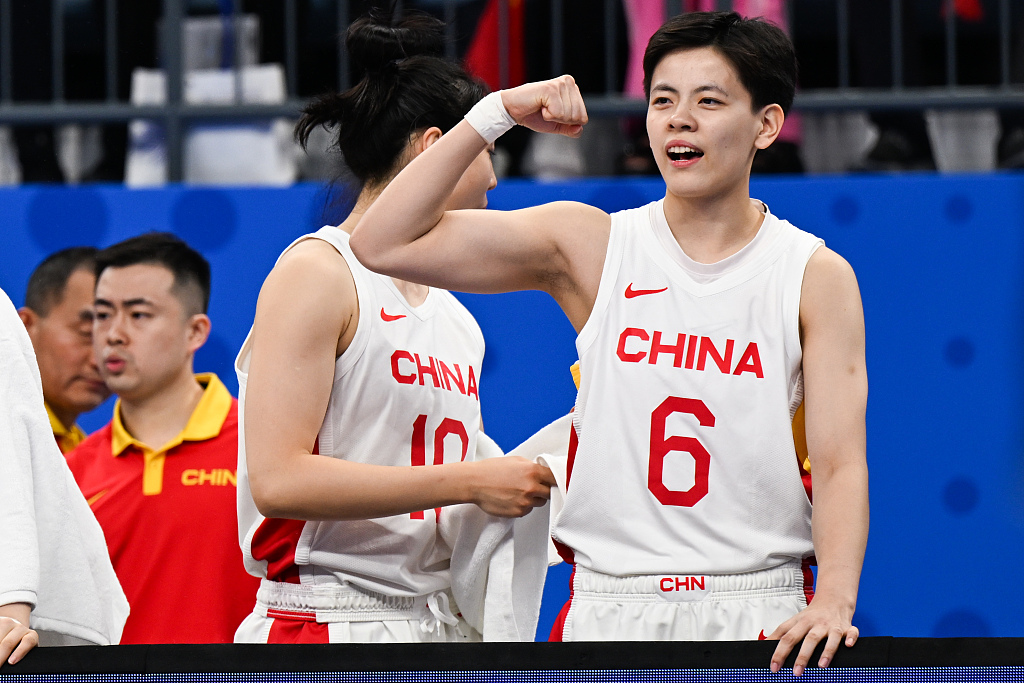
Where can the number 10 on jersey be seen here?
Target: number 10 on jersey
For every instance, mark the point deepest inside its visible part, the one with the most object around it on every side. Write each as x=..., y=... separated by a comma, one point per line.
x=447, y=427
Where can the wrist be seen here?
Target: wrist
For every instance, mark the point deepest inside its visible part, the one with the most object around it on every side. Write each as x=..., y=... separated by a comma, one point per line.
x=489, y=118
x=18, y=611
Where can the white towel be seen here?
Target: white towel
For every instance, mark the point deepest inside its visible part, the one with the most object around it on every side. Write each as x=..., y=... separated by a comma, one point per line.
x=54, y=554
x=499, y=565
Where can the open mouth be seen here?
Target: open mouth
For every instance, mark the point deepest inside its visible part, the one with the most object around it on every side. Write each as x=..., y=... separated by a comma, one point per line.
x=684, y=153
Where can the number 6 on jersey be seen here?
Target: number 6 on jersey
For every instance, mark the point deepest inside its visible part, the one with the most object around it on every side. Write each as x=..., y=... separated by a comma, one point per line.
x=661, y=446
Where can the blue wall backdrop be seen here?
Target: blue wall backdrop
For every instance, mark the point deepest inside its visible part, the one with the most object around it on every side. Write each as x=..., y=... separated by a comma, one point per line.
x=940, y=262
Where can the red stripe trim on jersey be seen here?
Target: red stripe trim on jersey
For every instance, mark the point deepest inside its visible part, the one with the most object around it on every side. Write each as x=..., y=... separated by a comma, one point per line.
x=574, y=443
x=805, y=567
x=289, y=614
x=558, y=628
x=291, y=631
x=564, y=551
x=276, y=540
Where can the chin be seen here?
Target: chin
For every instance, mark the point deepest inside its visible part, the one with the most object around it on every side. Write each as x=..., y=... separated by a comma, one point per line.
x=119, y=385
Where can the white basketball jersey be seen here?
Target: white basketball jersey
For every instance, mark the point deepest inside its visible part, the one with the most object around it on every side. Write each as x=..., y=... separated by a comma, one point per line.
x=691, y=375
x=405, y=393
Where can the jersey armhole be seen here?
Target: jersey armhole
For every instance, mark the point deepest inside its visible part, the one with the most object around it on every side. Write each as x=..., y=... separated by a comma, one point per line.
x=609, y=274
x=792, y=317
x=364, y=296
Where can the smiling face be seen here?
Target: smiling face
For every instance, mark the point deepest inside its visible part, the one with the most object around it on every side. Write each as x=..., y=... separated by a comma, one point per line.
x=701, y=124
x=143, y=336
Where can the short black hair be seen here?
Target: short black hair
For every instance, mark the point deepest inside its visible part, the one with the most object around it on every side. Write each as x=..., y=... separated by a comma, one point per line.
x=191, y=271
x=47, y=283
x=761, y=52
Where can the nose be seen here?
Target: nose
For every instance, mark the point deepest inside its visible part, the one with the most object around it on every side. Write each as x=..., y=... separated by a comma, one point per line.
x=681, y=119
x=114, y=334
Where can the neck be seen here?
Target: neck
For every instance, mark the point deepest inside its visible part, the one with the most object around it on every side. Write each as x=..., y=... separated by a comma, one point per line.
x=66, y=416
x=710, y=229
x=156, y=419
x=367, y=196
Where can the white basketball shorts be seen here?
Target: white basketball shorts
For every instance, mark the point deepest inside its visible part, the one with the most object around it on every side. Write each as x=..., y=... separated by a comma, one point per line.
x=293, y=613
x=684, y=607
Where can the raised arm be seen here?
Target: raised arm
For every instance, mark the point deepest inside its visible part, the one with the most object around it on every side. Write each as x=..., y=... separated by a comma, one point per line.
x=835, y=401
x=558, y=248
x=306, y=315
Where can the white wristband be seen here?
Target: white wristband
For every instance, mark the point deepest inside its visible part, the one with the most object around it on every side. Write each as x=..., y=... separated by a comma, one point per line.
x=489, y=118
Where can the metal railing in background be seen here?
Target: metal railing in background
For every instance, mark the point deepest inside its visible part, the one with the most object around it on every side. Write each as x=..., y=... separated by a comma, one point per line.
x=177, y=115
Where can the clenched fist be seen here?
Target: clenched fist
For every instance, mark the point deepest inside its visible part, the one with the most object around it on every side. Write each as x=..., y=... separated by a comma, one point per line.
x=510, y=486
x=554, y=106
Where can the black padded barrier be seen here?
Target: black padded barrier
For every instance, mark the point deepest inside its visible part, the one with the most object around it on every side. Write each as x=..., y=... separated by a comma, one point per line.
x=869, y=653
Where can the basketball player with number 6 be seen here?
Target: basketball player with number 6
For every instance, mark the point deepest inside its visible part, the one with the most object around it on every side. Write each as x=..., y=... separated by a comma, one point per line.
x=707, y=327
x=359, y=393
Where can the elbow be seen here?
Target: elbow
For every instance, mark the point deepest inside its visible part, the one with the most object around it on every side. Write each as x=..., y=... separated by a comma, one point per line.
x=269, y=496
x=368, y=253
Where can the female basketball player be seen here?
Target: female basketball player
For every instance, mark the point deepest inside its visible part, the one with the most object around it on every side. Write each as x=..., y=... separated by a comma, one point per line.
x=359, y=392
x=705, y=323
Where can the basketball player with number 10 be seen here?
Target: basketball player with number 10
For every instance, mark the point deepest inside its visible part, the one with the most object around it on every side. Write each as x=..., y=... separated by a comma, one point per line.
x=708, y=328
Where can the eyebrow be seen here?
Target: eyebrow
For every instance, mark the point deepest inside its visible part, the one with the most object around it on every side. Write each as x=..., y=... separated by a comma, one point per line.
x=710, y=87
x=127, y=302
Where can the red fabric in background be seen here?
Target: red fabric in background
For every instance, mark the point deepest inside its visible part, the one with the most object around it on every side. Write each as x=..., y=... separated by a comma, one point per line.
x=482, y=56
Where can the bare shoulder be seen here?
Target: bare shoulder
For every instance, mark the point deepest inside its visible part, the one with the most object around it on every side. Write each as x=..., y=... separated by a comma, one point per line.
x=311, y=278
x=830, y=292
x=826, y=265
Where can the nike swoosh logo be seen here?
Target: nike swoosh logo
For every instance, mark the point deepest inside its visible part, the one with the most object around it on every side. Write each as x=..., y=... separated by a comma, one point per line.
x=762, y=636
x=389, y=318
x=632, y=293
x=99, y=495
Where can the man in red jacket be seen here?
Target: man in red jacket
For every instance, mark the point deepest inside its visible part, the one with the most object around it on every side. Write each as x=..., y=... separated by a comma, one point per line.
x=160, y=477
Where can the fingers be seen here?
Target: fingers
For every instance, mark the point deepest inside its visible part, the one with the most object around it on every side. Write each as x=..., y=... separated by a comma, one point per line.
x=835, y=636
x=557, y=108
x=787, y=641
x=547, y=477
x=812, y=632
x=811, y=641
x=30, y=640
x=17, y=640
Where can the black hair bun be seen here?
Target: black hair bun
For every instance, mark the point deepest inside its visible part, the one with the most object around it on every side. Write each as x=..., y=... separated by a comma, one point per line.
x=373, y=43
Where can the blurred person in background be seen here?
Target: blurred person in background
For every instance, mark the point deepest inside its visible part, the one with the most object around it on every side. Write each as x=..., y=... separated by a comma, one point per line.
x=58, y=316
x=160, y=477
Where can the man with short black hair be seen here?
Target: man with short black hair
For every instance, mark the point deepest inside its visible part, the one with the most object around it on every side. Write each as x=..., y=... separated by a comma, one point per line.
x=58, y=316
x=160, y=477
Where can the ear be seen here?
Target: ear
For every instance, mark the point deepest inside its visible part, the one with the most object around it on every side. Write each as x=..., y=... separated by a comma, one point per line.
x=198, y=331
x=29, y=318
x=771, y=120
x=426, y=139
